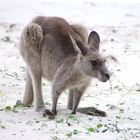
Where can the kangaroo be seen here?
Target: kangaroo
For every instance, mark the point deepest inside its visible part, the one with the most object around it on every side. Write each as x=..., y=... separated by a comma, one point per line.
x=65, y=55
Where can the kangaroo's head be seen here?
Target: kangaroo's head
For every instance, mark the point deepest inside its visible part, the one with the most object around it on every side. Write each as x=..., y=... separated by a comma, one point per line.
x=90, y=61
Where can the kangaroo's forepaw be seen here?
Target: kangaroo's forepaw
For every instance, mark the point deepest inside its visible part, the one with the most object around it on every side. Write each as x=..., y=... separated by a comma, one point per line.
x=73, y=112
x=49, y=114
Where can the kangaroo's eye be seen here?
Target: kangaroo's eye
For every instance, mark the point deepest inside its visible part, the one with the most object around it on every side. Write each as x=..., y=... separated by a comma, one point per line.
x=93, y=62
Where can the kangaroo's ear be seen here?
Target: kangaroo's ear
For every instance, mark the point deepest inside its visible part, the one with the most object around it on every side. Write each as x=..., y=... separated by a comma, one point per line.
x=94, y=41
x=78, y=46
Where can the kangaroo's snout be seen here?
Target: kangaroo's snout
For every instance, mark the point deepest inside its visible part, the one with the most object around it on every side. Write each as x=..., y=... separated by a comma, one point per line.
x=106, y=76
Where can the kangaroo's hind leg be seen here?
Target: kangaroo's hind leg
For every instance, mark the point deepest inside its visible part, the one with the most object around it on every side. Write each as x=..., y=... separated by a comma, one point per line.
x=33, y=37
x=28, y=95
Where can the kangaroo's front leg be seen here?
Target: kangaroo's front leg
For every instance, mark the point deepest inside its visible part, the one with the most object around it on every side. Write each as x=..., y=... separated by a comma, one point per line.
x=77, y=97
x=57, y=88
x=60, y=83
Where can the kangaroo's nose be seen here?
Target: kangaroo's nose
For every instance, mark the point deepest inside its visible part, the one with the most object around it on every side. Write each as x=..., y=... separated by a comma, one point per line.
x=107, y=75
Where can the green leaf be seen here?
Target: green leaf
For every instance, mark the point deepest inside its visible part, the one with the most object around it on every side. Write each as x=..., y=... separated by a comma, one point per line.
x=122, y=103
x=118, y=117
x=6, y=39
x=2, y=126
x=91, y=129
x=8, y=108
x=12, y=109
x=37, y=121
x=55, y=138
x=116, y=87
x=60, y=121
x=69, y=134
x=72, y=117
x=99, y=125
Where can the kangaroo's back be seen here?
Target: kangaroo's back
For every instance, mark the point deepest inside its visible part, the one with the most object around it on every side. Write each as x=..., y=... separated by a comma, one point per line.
x=53, y=24
x=56, y=33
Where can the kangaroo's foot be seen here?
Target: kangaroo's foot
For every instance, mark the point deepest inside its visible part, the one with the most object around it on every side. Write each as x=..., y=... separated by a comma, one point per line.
x=92, y=111
x=20, y=103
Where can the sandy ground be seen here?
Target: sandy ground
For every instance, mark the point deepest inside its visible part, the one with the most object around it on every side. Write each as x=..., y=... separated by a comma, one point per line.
x=118, y=24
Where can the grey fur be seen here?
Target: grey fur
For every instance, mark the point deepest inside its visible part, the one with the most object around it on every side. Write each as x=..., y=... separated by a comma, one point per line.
x=62, y=54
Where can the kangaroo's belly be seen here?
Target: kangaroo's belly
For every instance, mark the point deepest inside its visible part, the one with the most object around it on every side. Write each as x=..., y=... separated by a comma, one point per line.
x=50, y=64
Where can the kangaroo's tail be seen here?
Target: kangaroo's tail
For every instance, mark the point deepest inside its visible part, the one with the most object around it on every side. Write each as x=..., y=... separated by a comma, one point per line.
x=33, y=35
x=31, y=40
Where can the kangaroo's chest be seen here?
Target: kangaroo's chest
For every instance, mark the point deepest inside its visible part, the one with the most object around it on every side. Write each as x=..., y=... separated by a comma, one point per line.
x=78, y=81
